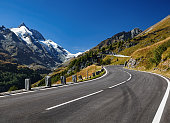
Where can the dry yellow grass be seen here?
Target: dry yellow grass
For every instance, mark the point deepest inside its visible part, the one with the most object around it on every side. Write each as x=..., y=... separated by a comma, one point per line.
x=83, y=72
x=143, y=51
x=59, y=70
x=116, y=60
x=162, y=68
x=119, y=60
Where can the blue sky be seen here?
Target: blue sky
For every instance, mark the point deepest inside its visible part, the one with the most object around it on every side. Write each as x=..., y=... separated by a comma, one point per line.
x=78, y=25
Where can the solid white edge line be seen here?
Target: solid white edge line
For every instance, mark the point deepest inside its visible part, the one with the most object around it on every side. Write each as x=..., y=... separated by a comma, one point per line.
x=160, y=110
x=158, y=115
x=73, y=100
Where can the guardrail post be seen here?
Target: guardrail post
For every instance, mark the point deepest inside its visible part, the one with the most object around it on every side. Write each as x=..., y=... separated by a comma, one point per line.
x=74, y=78
x=93, y=74
x=97, y=73
x=87, y=74
x=27, y=84
x=125, y=63
x=48, y=81
x=63, y=80
x=80, y=77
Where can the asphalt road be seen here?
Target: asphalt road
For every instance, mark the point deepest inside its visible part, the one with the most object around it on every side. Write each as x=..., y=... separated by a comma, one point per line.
x=135, y=101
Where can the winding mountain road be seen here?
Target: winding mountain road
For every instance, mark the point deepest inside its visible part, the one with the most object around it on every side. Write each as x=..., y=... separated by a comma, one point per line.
x=121, y=96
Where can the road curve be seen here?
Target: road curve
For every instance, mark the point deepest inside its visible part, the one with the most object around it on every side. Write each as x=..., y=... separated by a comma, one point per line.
x=135, y=100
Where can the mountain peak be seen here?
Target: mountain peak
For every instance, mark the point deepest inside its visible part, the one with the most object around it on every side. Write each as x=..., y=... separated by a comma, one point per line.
x=136, y=29
x=2, y=27
x=135, y=32
x=22, y=24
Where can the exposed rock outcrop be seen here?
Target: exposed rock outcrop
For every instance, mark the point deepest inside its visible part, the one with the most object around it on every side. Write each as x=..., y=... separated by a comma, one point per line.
x=122, y=36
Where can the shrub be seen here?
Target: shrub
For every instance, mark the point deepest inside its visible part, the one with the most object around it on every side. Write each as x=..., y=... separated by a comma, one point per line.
x=13, y=88
x=106, y=62
x=157, y=53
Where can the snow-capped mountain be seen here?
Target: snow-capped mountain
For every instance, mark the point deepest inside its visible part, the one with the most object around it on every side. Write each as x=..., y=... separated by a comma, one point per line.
x=49, y=45
x=70, y=55
x=29, y=46
x=31, y=36
x=24, y=33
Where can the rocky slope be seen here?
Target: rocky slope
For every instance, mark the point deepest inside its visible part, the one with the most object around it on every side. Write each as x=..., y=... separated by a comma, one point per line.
x=153, y=50
x=122, y=36
x=28, y=46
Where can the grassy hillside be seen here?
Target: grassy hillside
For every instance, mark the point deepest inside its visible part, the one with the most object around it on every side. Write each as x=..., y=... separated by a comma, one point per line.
x=113, y=60
x=147, y=40
x=155, y=57
x=148, y=51
x=153, y=50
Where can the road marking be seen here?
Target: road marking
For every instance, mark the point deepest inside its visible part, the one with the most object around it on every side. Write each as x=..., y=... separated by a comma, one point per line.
x=76, y=83
x=46, y=88
x=17, y=94
x=158, y=115
x=56, y=106
x=4, y=96
x=117, y=84
x=160, y=110
x=123, y=81
x=73, y=100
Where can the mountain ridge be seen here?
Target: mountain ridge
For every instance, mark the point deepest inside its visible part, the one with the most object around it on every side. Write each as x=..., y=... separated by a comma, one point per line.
x=121, y=36
x=28, y=46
